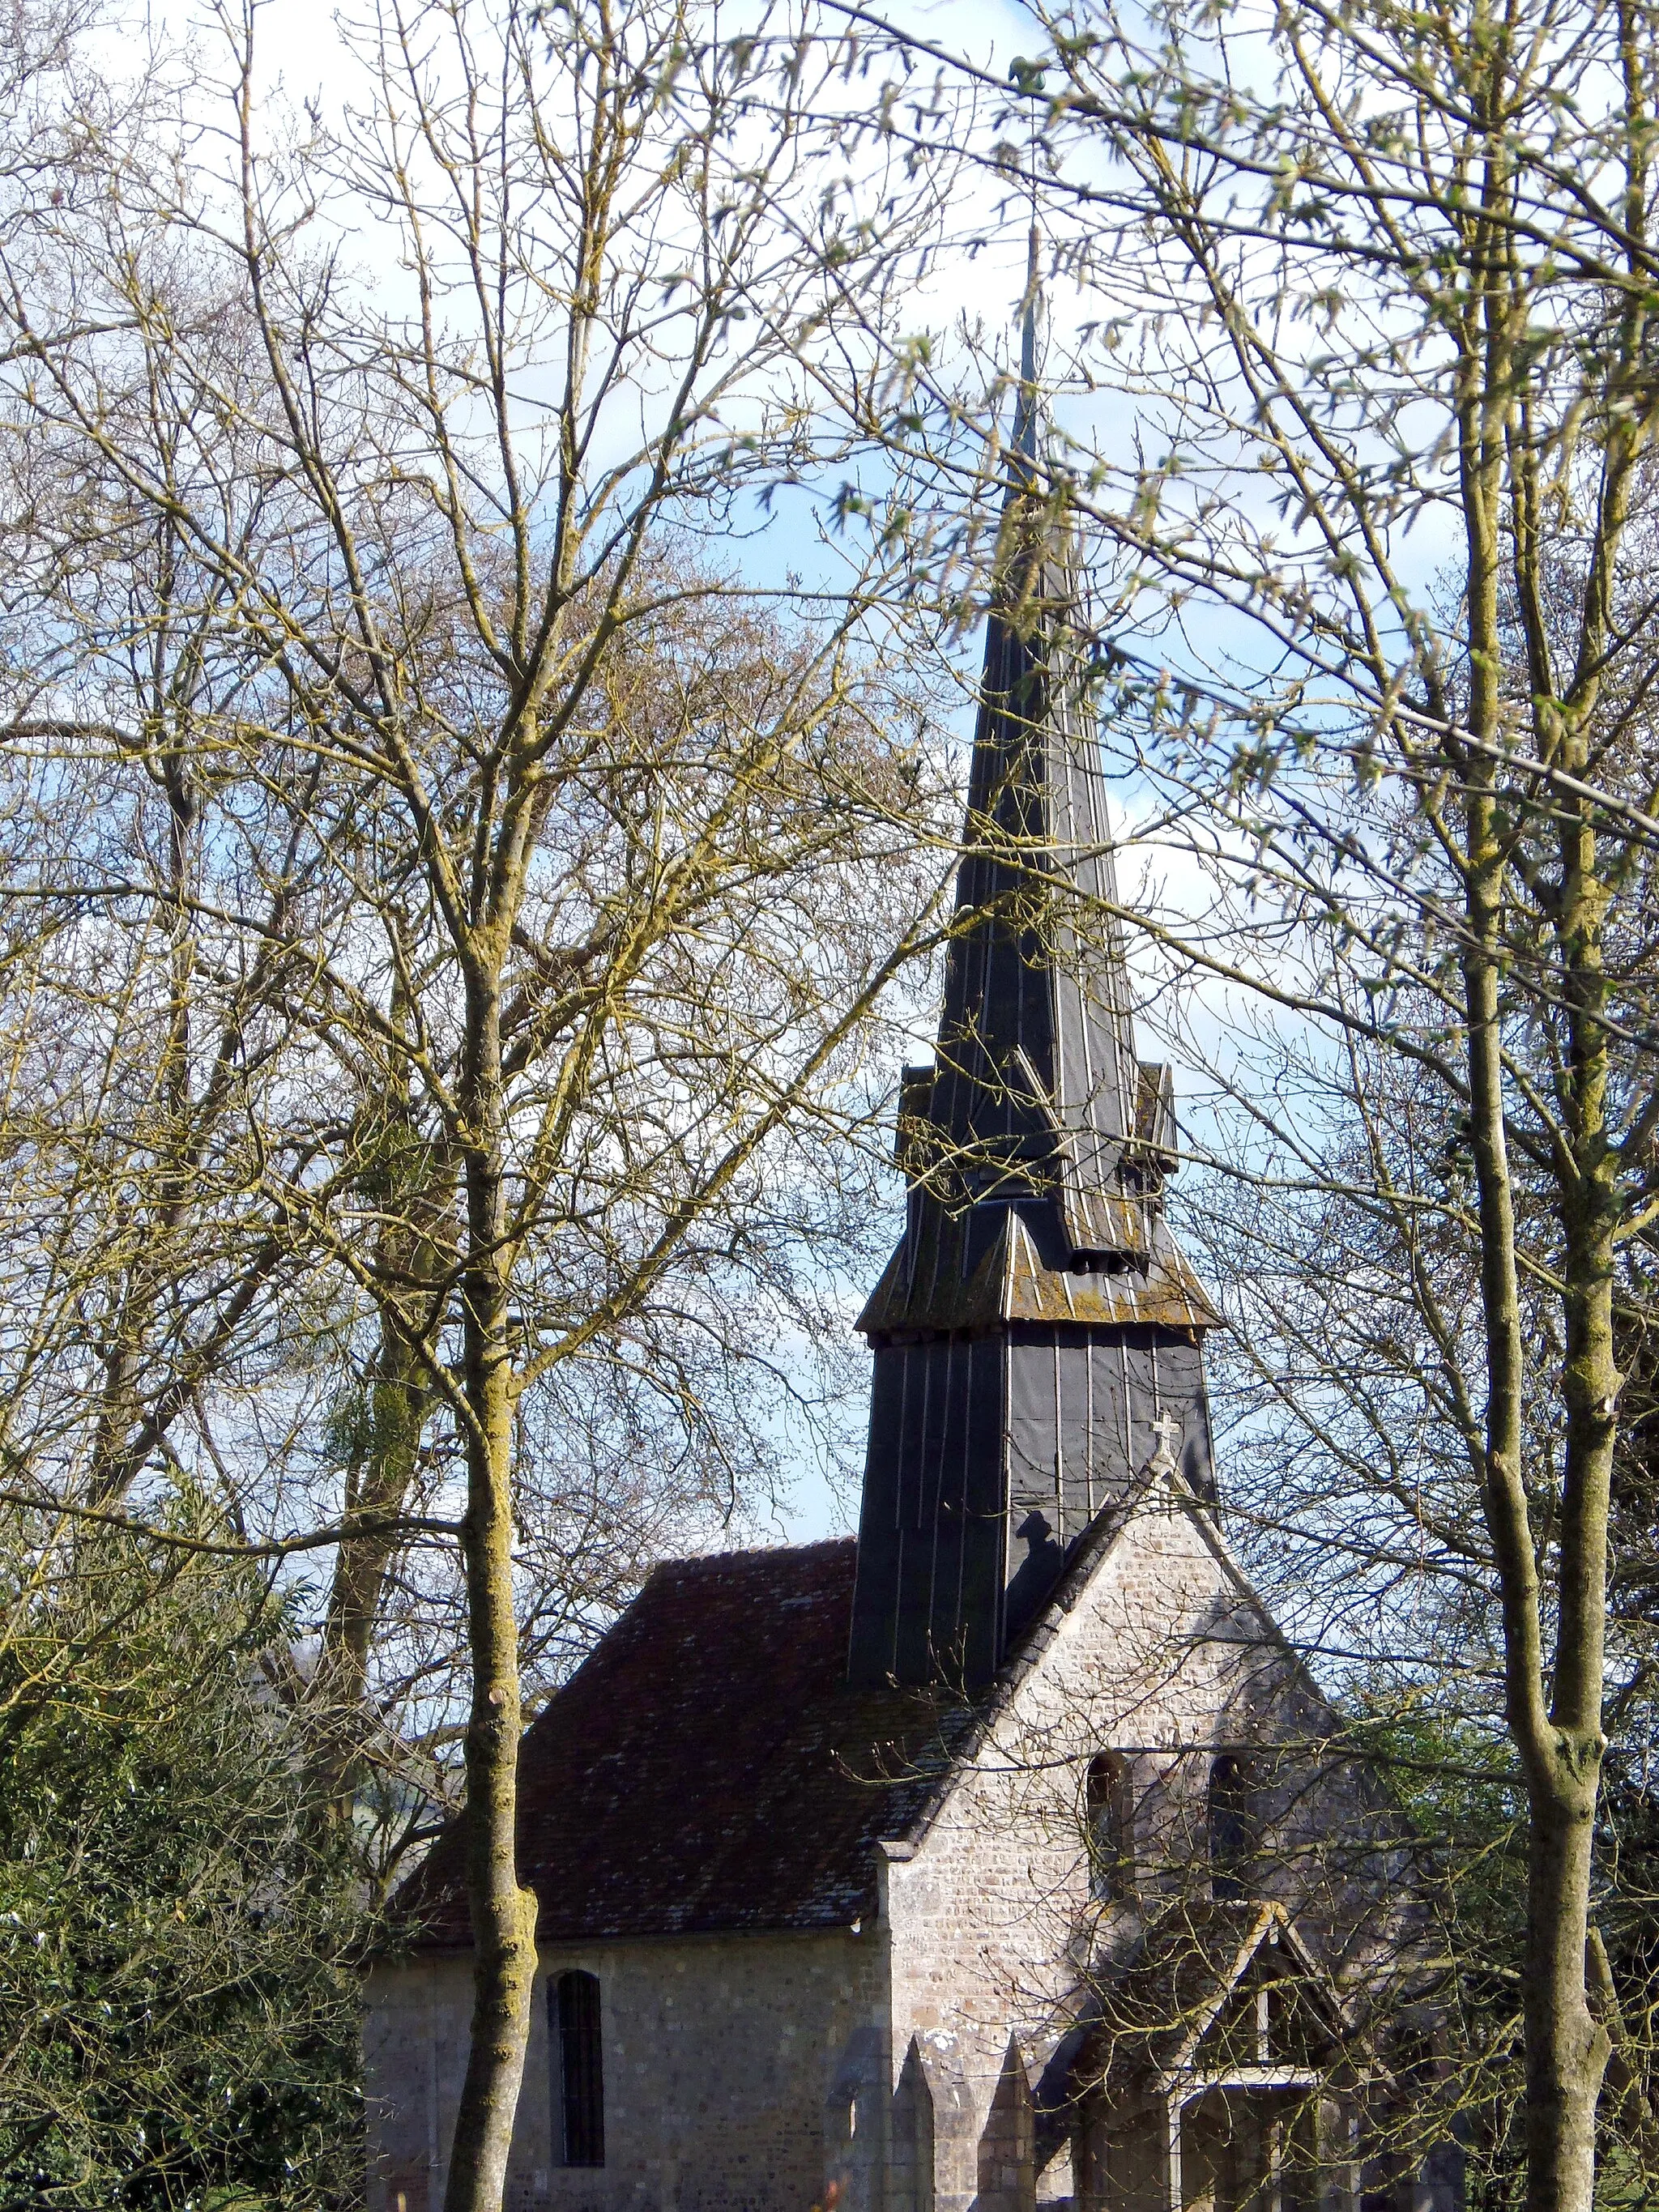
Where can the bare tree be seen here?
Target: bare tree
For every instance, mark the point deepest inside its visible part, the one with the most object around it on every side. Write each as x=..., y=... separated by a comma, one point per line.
x=551, y=879
x=1376, y=292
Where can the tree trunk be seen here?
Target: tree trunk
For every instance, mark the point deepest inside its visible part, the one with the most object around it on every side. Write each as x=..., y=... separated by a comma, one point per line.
x=399, y=1395
x=1559, y=1743
x=1567, y=2047
x=503, y=1915
x=417, y=1201
x=1623, y=2076
x=1565, y=2050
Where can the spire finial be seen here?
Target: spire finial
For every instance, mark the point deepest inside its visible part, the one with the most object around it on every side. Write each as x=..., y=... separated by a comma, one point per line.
x=1025, y=414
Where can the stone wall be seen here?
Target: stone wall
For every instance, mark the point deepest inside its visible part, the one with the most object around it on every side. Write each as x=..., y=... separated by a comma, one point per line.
x=991, y=1921
x=917, y=2064
x=1162, y=1657
x=734, y=2067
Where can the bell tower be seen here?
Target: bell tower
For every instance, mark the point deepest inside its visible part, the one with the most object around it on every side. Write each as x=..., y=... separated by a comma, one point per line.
x=1037, y=1336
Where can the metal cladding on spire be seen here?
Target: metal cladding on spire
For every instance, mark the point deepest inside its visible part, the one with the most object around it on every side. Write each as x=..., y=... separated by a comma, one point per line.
x=1038, y=1090
x=1025, y=406
x=1036, y=1325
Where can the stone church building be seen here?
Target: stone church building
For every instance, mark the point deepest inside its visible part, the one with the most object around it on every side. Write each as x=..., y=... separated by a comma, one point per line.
x=1005, y=1856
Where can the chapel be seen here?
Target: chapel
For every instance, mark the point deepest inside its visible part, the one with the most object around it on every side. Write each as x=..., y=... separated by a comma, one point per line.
x=1009, y=1856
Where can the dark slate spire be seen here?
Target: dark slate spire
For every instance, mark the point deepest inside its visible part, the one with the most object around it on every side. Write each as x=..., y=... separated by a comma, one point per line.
x=1037, y=1333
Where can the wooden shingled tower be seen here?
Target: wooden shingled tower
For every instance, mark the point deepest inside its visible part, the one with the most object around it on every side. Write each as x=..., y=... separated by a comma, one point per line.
x=1036, y=1335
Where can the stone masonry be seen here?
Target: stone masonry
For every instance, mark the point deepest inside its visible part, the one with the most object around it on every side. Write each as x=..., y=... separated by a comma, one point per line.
x=906, y=2058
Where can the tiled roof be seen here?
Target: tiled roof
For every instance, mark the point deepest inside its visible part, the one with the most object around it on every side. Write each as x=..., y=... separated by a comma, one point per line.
x=707, y=1768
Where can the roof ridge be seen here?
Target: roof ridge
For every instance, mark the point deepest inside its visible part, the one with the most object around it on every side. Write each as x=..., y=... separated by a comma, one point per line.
x=745, y=1551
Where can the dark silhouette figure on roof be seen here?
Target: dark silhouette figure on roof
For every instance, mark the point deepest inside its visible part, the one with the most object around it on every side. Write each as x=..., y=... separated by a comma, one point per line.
x=1038, y=1571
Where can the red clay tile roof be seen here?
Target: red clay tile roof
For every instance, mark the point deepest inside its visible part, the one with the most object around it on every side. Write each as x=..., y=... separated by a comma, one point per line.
x=707, y=1768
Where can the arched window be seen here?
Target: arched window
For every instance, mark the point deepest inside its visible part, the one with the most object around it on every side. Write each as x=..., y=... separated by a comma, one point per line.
x=573, y=2004
x=1232, y=1827
x=1108, y=1828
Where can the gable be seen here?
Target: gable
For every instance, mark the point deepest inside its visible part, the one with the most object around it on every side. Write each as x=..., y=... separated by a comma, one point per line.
x=1151, y=1636
x=1227, y=1993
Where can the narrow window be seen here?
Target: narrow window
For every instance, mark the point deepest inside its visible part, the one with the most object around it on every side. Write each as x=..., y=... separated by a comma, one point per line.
x=1106, y=1816
x=578, y=2068
x=1232, y=1827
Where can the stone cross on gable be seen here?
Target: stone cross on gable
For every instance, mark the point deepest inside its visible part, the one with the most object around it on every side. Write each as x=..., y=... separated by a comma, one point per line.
x=1166, y=1429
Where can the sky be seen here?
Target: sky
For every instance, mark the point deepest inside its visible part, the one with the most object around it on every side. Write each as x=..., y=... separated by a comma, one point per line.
x=297, y=43
x=297, y=38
